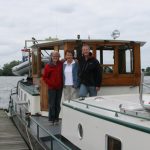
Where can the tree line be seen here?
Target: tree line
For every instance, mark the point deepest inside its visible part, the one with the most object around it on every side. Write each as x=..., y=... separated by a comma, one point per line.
x=6, y=70
x=146, y=71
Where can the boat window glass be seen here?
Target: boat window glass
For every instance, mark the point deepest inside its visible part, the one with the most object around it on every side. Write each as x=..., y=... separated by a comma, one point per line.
x=34, y=55
x=113, y=143
x=125, y=59
x=98, y=55
x=75, y=53
x=45, y=53
x=61, y=54
x=106, y=59
x=129, y=61
x=45, y=57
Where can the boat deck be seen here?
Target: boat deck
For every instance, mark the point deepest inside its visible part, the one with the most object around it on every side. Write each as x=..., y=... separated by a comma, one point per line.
x=122, y=108
x=10, y=138
x=55, y=130
x=49, y=135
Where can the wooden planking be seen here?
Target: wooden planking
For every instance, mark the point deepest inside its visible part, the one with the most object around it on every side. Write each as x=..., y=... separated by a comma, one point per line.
x=10, y=138
x=43, y=95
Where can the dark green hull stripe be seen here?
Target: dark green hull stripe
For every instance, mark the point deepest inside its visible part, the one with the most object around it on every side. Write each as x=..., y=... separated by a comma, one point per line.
x=28, y=89
x=120, y=122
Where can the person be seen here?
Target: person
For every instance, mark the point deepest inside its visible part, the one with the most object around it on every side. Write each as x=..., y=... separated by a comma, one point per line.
x=70, y=75
x=90, y=73
x=53, y=77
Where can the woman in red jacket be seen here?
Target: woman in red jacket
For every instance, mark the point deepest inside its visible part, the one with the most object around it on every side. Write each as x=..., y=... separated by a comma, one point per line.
x=53, y=77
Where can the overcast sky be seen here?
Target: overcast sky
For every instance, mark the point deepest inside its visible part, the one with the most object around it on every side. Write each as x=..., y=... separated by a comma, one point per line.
x=21, y=20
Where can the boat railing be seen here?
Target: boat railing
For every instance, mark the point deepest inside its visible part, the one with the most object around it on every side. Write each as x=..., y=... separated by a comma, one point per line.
x=40, y=133
x=13, y=91
x=136, y=112
x=116, y=112
x=142, y=85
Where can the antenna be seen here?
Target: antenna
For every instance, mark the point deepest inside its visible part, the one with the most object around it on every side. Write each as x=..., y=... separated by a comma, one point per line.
x=34, y=40
x=78, y=36
x=115, y=34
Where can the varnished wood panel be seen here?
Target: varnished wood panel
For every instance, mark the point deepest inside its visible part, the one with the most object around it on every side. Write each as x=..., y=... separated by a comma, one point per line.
x=43, y=95
x=120, y=80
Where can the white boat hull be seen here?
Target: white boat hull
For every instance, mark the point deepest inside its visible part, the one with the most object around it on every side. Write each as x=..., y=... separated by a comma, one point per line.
x=97, y=129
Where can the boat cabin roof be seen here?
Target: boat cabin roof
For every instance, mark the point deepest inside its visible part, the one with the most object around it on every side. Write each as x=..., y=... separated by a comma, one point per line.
x=47, y=45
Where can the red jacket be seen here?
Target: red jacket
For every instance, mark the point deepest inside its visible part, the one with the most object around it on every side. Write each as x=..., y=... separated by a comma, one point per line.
x=53, y=75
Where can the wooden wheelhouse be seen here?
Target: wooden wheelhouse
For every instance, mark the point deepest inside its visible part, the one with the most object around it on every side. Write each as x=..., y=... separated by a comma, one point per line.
x=120, y=61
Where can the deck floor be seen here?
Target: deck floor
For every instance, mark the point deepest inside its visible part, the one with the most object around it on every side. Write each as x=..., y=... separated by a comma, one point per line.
x=10, y=138
x=54, y=130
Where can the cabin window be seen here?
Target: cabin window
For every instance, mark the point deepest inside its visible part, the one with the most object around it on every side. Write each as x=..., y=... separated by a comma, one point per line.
x=106, y=59
x=75, y=53
x=61, y=54
x=34, y=55
x=98, y=55
x=113, y=143
x=45, y=58
x=125, y=57
x=129, y=61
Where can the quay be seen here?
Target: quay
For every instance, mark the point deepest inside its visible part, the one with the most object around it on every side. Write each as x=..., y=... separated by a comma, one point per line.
x=10, y=138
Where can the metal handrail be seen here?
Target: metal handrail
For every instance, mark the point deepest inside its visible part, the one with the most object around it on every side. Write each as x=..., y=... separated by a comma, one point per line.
x=141, y=89
x=103, y=108
x=146, y=85
x=61, y=143
x=140, y=97
x=12, y=90
x=41, y=127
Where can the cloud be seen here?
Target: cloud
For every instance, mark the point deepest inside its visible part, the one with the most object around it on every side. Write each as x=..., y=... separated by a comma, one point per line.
x=21, y=20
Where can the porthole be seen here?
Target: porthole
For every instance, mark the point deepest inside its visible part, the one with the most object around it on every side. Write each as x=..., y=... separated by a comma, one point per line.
x=80, y=131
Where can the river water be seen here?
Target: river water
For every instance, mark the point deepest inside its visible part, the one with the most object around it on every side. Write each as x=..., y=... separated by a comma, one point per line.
x=9, y=82
x=6, y=84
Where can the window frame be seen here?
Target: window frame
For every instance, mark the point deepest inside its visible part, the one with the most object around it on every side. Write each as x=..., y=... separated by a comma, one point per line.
x=114, y=138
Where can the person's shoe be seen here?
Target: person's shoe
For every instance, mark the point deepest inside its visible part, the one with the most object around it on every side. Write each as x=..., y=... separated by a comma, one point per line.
x=56, y=122
x=51, y=123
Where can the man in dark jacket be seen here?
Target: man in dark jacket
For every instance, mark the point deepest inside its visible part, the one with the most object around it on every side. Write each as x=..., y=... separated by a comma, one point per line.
x=90, y=73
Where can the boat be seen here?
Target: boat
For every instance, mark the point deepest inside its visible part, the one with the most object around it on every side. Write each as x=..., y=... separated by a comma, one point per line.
x=117, y=119
x=24, y=68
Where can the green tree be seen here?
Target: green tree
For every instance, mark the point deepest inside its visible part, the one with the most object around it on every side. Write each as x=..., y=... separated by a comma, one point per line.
x=148, y=69
x=1, y=72
x=7, y=68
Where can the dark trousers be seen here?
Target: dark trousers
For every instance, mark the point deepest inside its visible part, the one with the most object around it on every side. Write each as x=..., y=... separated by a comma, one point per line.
x=54, y=99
